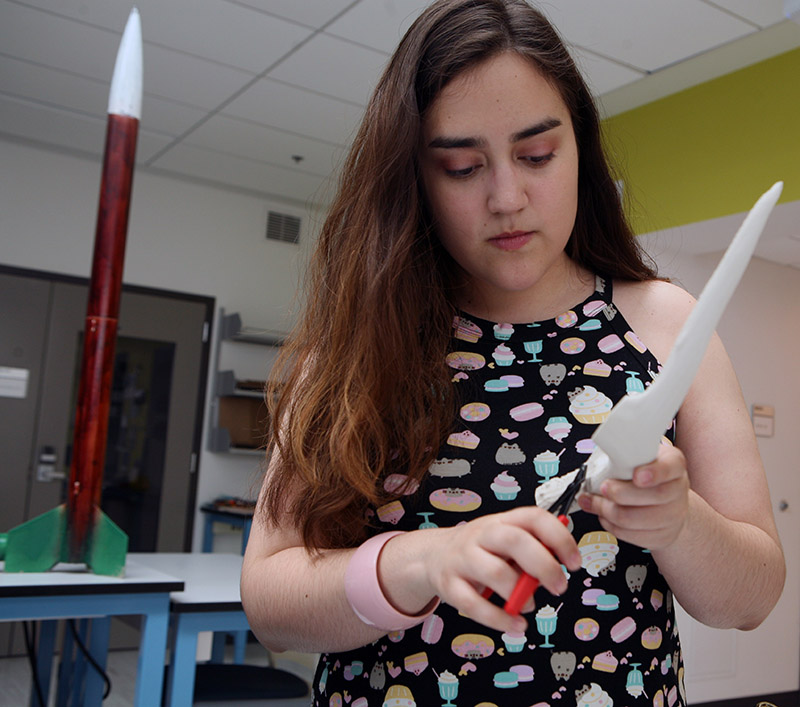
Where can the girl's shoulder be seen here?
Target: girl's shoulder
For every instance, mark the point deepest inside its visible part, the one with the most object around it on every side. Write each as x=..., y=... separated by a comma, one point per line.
x=655, y=310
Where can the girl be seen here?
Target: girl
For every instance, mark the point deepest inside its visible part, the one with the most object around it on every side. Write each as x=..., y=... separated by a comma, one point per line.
x=477, y=303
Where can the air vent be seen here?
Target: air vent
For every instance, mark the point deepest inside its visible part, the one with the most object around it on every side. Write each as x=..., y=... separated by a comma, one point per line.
x=283, y=227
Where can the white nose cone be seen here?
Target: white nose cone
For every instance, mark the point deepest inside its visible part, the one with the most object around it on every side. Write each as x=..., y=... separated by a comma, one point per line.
x=125, y=97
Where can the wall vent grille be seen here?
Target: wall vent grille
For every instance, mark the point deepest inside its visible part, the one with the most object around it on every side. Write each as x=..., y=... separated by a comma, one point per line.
x=283, y=227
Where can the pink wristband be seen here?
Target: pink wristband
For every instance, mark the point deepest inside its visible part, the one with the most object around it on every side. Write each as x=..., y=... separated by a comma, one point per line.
x=364, y=591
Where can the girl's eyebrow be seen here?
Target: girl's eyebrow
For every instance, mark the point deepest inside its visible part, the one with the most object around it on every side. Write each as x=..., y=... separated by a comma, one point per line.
x=541, y=127
x=452, y=143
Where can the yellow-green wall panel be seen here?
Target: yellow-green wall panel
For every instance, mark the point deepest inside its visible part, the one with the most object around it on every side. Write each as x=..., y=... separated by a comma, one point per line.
x=712, y=149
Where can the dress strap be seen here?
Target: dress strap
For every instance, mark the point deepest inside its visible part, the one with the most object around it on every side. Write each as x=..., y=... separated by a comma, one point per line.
x=604, y=287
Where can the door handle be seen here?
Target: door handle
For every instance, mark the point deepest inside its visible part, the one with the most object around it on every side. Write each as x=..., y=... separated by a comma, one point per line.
x=46, y=465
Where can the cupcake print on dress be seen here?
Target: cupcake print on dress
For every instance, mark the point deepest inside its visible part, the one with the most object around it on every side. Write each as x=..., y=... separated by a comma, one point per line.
x=598, y=552
x=588, y=405
x=593, y=696
x=505, y=487
x=503, y=356
x=503, y=332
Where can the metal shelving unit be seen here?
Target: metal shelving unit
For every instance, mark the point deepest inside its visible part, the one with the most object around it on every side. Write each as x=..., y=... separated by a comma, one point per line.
x=230, y=329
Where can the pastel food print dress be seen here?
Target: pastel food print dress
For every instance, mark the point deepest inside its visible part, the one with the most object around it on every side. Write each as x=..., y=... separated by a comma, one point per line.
x=530, y=397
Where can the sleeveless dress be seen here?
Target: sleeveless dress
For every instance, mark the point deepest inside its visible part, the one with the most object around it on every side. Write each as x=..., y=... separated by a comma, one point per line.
x=531, y=395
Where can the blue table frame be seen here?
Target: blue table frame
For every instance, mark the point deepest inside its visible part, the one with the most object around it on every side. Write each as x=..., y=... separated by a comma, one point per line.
x=210, y=601
x=216, y=515
x=72, y=592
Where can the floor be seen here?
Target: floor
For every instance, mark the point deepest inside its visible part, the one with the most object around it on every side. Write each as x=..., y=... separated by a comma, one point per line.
x=15, y=679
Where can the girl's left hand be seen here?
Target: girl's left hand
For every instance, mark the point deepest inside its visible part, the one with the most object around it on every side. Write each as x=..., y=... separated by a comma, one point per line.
x=650, y=510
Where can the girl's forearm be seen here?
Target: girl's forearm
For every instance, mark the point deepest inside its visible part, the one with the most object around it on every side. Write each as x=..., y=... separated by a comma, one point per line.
x=294, y=602
x=725, y=573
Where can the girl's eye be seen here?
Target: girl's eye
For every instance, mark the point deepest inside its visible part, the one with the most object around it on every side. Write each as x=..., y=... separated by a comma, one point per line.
x=539, y=160
x=460, y=173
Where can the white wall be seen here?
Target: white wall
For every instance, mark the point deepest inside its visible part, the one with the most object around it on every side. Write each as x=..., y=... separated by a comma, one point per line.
x=182, y=237
x=761, y=334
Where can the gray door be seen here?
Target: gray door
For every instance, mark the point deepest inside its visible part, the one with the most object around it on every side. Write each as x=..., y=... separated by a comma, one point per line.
x=156, y=406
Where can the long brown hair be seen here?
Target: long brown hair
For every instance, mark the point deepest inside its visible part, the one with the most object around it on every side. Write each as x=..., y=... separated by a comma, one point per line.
x=361, y=390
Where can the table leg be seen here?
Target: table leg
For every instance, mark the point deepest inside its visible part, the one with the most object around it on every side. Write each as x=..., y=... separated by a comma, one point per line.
x=208, y=534
x=246, y=533
x=44, y=659
x=218, y=647
x=98, y=649
x=79, y=667
x=65, y=668
x=180, y=688
x=180, y=685
x=239, y=644
x=150, y=673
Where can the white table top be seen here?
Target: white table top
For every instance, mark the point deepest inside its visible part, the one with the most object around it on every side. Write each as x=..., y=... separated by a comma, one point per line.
x=75, y=579
x=211, y=578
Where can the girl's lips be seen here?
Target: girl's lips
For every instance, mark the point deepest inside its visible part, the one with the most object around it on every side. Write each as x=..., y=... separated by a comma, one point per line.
x=512, y=241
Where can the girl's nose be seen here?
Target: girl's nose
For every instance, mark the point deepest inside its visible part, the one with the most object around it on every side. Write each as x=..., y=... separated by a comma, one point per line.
x=507, y=190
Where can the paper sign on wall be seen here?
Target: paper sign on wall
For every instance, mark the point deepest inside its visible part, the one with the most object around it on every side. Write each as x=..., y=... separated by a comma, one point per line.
x=764, y=420
x=13, y=382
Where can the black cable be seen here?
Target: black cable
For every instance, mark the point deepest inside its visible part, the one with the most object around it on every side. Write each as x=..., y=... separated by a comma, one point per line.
x=89, y=657
x=30, y=649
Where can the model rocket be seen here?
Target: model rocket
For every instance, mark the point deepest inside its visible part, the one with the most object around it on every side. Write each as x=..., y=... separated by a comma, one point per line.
x=78, y=531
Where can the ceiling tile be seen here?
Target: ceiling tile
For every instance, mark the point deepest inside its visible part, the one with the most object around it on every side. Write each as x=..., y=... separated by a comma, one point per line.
x=379, y=24
x=42, y=38
x=297, y=110
x=167, y=117
x=250, y=39
x=645, y=34
x=54, y=127
x=65, y=130
x=213, y=167
x=231, y=34
x=333, y=67
x=106, y=14
x=190, y=80
x=53, y=86
x=601, y=74
x=313, y=13
x=149, y=145
x=761, y=12
x=257, y=142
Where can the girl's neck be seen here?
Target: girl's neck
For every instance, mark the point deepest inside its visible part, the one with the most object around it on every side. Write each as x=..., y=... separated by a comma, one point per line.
x=557, y=291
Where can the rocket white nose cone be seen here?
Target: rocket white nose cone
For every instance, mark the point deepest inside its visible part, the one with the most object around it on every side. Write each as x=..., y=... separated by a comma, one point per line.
x=125, y=97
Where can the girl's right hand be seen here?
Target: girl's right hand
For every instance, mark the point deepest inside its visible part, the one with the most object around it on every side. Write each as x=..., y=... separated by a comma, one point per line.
x=458, y=563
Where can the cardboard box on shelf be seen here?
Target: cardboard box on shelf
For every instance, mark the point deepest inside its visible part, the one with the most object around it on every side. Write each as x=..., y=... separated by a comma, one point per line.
x=245, y=419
